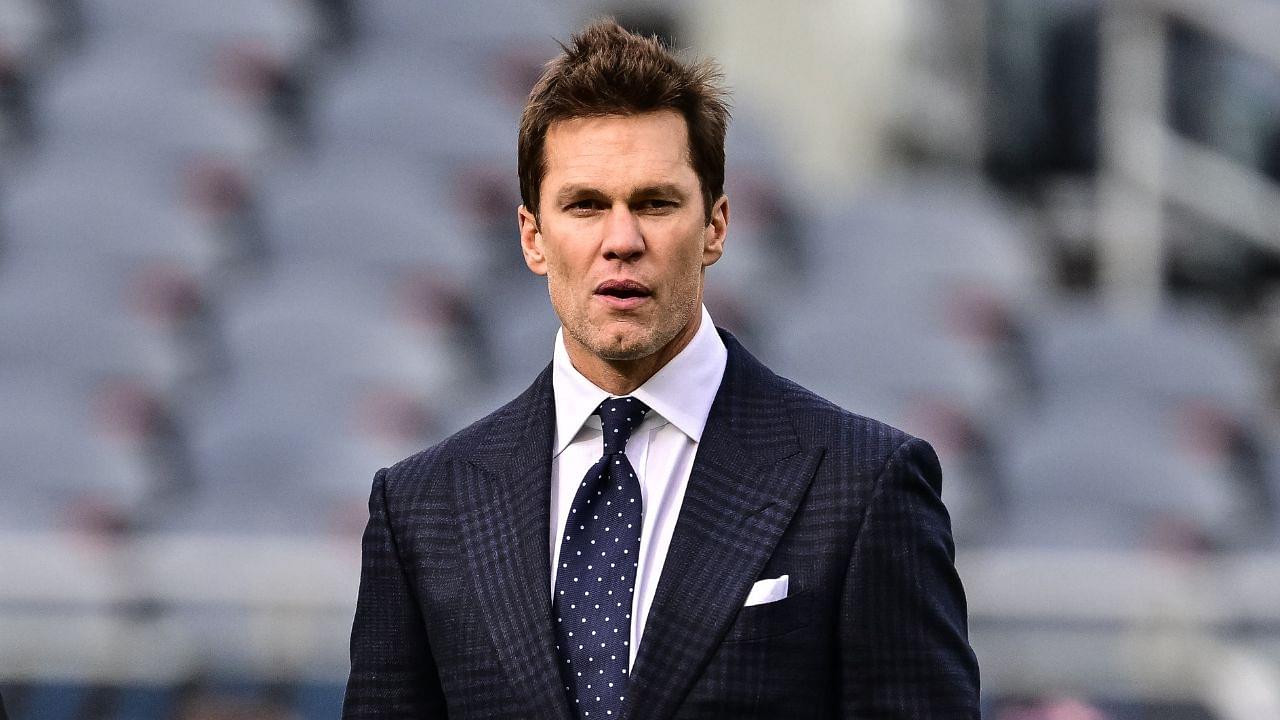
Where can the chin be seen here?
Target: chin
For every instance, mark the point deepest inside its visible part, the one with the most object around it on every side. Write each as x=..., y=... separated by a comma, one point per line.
x=627, y=349
x=625, y=345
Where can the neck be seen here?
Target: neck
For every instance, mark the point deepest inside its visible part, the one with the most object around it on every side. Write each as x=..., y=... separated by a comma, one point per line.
x=621, y=377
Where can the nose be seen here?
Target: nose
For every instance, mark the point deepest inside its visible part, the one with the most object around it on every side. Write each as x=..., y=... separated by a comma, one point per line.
x=622, y=239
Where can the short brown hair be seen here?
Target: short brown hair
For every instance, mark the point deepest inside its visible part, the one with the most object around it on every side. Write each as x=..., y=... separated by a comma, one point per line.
x=606, y=70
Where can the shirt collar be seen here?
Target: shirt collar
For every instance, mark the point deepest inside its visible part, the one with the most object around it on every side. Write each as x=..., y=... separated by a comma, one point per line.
x=681, y=391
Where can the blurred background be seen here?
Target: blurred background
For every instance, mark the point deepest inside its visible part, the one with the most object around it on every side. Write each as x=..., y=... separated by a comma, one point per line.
x=253, y=250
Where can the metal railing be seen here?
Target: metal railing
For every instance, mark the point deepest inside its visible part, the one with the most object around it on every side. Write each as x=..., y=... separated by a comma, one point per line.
x=1144, y=164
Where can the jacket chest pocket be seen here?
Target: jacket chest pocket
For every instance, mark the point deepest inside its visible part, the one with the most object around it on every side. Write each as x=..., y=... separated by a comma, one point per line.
x=756, y=622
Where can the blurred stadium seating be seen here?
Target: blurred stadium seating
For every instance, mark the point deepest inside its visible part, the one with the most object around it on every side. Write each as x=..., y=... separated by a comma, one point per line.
x=253, y=250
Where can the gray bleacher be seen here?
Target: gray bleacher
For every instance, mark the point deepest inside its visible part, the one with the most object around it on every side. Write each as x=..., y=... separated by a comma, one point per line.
x=252, y=251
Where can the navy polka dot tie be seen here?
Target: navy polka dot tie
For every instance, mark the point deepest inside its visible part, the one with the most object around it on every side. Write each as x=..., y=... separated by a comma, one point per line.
x=596, y=577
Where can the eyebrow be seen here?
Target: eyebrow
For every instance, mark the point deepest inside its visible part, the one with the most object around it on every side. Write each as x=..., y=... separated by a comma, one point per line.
x=575, y=191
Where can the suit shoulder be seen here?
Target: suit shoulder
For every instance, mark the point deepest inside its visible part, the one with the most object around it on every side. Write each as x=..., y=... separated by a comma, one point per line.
x=418, y=469
x=815, y=420
x=820, y=422
x=858, y=449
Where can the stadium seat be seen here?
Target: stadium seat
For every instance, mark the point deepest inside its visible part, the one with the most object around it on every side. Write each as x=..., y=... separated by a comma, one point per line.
x=76, y=212
x=1105, y=473
x=1183, y=354
x=113, y=101
x=362, y=209
x=405, y=104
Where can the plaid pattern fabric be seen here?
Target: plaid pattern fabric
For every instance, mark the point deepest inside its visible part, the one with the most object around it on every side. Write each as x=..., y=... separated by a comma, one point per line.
x=454, y=616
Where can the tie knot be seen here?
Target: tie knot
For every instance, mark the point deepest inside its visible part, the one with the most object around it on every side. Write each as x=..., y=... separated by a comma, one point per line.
x=619, y=416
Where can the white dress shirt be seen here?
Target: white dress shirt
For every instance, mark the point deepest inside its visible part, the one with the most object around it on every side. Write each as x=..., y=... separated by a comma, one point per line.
x=661, y=449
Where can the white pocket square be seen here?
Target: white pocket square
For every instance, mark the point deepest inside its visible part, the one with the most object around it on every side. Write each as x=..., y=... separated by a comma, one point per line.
x=767, y=591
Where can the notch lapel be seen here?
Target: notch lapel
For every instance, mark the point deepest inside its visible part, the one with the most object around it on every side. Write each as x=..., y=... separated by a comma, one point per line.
x=504, y=497
x=748, y=478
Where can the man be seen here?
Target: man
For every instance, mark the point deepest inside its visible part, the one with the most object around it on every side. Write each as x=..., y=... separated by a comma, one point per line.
x=659, y=527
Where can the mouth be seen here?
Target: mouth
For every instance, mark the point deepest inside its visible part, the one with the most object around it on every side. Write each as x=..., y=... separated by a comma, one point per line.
x=623, y=294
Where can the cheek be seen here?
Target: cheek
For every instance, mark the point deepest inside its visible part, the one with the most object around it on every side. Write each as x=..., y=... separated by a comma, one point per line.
x=562, y=281
x=690, y=260
x=555, y=265
x=564, y=259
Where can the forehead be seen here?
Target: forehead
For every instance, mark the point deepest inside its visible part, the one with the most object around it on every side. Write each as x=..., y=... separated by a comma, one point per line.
x=618, y=149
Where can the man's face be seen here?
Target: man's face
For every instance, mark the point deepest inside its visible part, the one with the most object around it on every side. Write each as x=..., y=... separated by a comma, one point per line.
x=622, y=234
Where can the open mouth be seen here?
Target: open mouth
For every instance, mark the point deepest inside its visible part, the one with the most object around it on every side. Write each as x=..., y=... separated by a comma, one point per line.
x=622, y=289
x=623, y=293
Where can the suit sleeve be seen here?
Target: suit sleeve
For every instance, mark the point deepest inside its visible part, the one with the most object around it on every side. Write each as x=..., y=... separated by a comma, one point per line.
x=903, y=628
x=393, y=674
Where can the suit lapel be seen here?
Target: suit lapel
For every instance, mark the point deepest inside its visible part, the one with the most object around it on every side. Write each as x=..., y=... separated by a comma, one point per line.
x=504, y=508
x=747, y=481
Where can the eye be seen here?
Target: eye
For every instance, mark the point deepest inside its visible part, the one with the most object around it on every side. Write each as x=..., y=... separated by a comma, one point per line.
x=658, y=204
x=582, y=206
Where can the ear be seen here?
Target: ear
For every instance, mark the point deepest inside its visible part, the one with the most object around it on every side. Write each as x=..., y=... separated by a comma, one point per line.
x=531, y=241
x=713, y=235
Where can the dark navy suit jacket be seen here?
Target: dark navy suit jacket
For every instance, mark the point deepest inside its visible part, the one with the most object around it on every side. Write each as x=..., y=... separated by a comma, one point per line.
x=454, y=617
